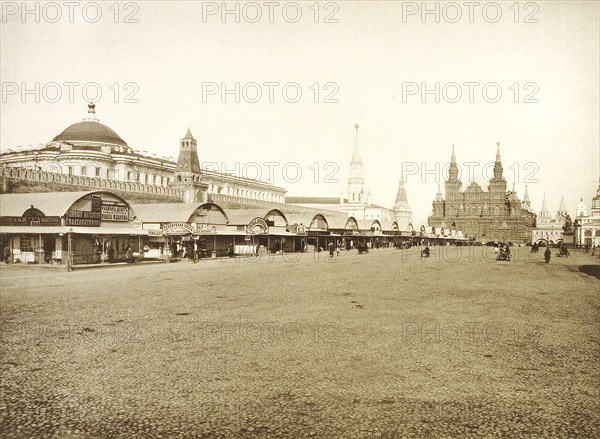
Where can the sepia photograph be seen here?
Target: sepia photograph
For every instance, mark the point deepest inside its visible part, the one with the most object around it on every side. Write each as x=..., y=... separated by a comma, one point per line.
x=350, y=219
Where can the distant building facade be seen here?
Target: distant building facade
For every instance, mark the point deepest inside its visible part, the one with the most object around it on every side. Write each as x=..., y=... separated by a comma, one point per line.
x=355, y=200
x=92, y=150
x=587, y=224
x=492, y=215
x=550, y=227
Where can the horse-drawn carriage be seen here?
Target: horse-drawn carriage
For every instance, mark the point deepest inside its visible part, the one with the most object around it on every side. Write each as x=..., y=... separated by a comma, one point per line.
x=503, y=253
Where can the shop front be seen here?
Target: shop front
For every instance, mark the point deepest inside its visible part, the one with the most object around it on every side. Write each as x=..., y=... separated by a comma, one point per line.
x=67, y=227
x=184, y=230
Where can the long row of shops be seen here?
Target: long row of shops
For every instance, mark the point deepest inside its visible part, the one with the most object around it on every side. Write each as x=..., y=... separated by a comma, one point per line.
x=98, y=226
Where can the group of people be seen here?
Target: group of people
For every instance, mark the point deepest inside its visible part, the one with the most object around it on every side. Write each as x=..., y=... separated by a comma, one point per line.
x=563, y=251
x=193, y=249
x=503, y=252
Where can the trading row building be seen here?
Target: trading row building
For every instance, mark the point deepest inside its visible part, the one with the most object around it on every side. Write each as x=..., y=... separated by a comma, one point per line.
x=88, y=195
x=100, y=226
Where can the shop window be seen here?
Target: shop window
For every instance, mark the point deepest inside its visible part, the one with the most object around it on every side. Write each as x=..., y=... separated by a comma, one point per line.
x=26, y=244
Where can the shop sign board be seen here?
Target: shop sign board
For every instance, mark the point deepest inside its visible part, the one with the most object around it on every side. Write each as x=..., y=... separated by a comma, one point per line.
x=206, y=228
x=115, y=213
x=82, y=218
x=257, y=226
x=30, y=221
x=137, y=224
x=299, y=229
x=96, y=203
x=178, y=228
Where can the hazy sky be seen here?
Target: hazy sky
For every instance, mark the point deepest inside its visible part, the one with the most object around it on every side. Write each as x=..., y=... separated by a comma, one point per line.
x=366, y=56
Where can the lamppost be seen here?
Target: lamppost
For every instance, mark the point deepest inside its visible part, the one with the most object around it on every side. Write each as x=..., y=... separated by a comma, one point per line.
x=166, y=248
x=70, y=251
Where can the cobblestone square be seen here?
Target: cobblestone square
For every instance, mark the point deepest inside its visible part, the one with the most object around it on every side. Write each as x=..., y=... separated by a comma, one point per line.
x=384, y=344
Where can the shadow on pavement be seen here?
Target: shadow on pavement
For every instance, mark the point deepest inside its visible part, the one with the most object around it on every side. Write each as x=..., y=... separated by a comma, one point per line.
x=590, y=270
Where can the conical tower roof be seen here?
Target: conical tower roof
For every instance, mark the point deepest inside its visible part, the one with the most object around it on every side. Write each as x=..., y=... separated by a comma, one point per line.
x=562, y=207
x=188, y=162
x=188, y=134
x=438, y=195
x=544, y=205
x=401, y=194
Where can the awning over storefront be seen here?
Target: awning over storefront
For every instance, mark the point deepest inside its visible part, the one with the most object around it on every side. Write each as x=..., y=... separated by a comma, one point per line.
x=109, y=231
x=175, y=212
x=25, y=230
x=365, y=224
x=51, y=204
x=244, y=216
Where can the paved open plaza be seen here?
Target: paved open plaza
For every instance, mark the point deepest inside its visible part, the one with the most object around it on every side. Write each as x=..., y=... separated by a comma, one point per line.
x=385, y=344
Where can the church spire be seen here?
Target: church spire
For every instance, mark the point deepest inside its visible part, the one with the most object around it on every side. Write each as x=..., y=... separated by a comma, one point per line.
x=356, y=183
x=526, y=198
x=453, y=170
x=562, y=209
x=356, y=152
x=498, y=164
x=544, y=205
